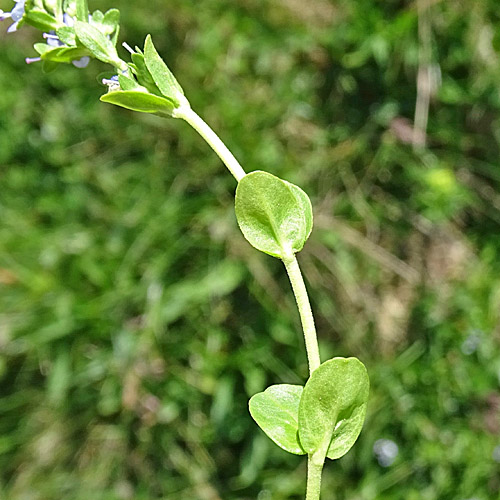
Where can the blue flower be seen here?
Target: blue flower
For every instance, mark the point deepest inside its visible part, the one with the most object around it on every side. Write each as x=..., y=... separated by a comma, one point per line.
x=82, y=63
x=16, y=14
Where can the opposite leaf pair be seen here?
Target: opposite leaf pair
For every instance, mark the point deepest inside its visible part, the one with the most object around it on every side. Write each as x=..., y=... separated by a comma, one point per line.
x=324, y=418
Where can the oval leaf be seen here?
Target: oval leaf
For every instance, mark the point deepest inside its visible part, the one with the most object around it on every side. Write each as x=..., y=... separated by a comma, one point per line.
x=111, y=24
x=162, y=76
x=101, y=47
x=274, y=215
x=111, y=19
x=333, y=407
x=276, y=412
x=139, y=101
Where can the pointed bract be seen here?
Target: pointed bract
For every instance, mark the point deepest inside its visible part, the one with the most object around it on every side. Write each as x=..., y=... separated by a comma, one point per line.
x=160, y=73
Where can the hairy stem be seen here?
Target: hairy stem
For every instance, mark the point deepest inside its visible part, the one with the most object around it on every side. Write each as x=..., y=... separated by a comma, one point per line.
x=314, y=471
x=306, y=316
x=213, y=140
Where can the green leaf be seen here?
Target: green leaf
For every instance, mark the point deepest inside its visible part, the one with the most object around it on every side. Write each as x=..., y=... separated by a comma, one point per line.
x=82, y=10
x=40, y=20
x=111, y=19
x=276, y=412
x=142, y=73
x=111, y=24
x=63, y=54
x=139, y=101
x=41, y=48
x=274, y=215
x=97, y=17
x=100, y=46
x=66, y=35
x=127, y=83
x=162, y=76
x=333, y=407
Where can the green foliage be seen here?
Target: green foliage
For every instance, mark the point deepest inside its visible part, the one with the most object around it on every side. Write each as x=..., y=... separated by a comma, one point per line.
x=324, y=418
x=124, y=374
x=274, y=215
x=160, y=73
x=82, y=10
x=41, y=20
x=127, y=83
x=97, y=35
x=139, y=101
x=151, y=88
x=66, y=35
x=333, y=407
x=97, y=43
x=60, y=54
x=110, y=24
x=276, y=411
x=142, y=73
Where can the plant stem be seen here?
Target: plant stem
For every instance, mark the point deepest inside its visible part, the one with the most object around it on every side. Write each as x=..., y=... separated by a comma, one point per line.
x=306, y=317
x=314, y=466
x=186, y=113
x=313, y=479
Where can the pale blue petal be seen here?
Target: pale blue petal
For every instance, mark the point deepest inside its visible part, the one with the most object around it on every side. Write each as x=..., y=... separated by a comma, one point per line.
x=82, y=63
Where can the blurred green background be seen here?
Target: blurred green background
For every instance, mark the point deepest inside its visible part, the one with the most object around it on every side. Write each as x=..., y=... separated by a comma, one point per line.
x=135, y=320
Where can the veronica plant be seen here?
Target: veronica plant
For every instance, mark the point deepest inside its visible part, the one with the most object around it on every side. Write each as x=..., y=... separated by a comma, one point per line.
x=321, y=419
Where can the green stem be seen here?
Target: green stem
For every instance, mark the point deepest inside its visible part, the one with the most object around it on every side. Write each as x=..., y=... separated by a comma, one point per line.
x=315, y=466
x=314, y=471
x=306, y=316
x=213, y=140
